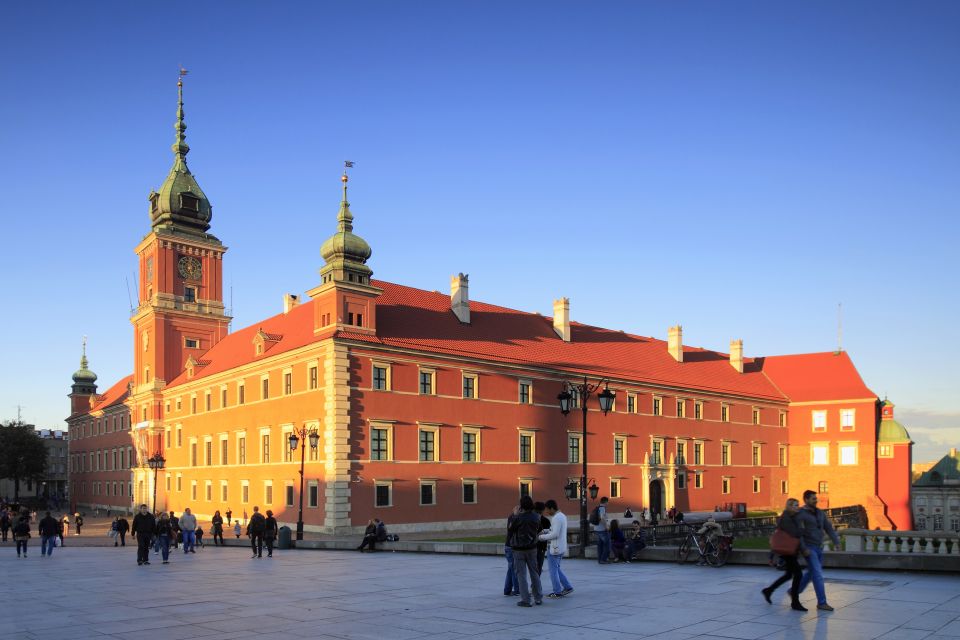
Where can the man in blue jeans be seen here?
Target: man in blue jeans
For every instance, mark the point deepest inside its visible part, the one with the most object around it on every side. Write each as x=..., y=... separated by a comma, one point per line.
x=511, y=585
x=188, y=525
x=601, y=531
x=49, y=529
x=814, y=524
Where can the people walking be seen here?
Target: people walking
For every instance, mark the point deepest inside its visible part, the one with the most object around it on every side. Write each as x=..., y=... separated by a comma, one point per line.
x=65, y=524
x=814, y=524
x=175, y=526
x=4, y=523
x=78, y=521
x=188, y=526
x=164, y=534
x=123, y=526
x=144, y=527
x=21, y=533
x=789, y=524
x=229, y=514
x=524, y=535
x=48, y=528
x=236, y=529
x=270, y=532
x=255, y=529
x=538, y=508
x=598, y=519
x=556, y=538
x=511, y=586
x=216, y=528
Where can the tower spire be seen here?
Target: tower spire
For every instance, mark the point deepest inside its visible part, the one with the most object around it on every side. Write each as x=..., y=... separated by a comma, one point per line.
x=345, y=217
x=83, y=357
x=180, y=146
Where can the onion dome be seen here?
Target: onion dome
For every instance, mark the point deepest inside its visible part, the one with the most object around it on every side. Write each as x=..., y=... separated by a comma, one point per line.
x=346, y=253
x=84, y=380
x=180, y=205
x=890, y=430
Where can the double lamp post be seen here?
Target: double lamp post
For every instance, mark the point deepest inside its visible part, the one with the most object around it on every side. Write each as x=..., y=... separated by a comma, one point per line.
x=296, y=436
x=606, y=397
x=156, y=462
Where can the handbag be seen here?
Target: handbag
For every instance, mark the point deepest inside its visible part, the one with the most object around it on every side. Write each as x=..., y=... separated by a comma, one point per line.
x=56, y=541
x=783, y=544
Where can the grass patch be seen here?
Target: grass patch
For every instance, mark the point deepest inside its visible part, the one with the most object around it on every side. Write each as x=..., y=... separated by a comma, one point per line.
x=757, y=542
x=496, y=538
x=761, y=514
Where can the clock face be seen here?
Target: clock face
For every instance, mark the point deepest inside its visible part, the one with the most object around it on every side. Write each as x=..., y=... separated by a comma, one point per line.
x=189, y=267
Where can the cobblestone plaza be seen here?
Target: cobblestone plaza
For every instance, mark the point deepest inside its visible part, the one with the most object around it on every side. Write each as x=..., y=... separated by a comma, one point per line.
x=221, y=592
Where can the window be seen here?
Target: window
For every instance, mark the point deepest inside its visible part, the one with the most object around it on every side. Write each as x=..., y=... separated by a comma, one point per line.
x=285, y=443
x=783, y=419
x=471, y=445
x=782, y=455
x=619, y=450
x=244, y=491
x=179, y=404
x=208, y=452
x=189, y=294
x=380, y=377
x=427, y=382
x=681, y=408
x=657, y=406
x=724, y=413
x=469, y=386
x=383, y=494
x=179, y=483
x=224, y=493
x=725, y=485
x=288, y=495
x=313, y=494
x=698, y=480
x=469, y=492
x=921, y=523
x=725, y=453
x=955, y=524
x=631, y=403
x=526, y=395
x=193, y=404
x=698, y=410
x=313, y=454
x=526, y=488
x=783, y=487
x=573, y=448
x=756, y=416
x=615, y=488
x=287, y=383
x=681, y=452
x=242, y=449
x=574, y=399
x=848, y=453
x=206, y=402
x=527, y=443
x=428, y=445
x=265, y=388
x=756, y=485
x=264, y=448
x=819, y=454
x=208, y=490
x=223, y=397
x=193, y=453
x=697, y=453
x=268, y=491
x=379, y=443
x=823, y=487
x=819, y=420
x=241, y=393
x=312, y=379
x=656, y=456
x=755, y=452
x=224, y=449
x=428, y=493
x=885, y=451
x=848, y=419
x=193, y=490
x=682, y=480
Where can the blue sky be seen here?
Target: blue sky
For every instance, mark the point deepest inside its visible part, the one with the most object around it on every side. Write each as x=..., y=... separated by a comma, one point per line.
x=740, y=168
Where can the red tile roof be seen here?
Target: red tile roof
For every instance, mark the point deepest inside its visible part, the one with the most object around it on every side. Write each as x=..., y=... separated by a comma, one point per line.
x=422, y=321
x=816, y=376
x=114, y=395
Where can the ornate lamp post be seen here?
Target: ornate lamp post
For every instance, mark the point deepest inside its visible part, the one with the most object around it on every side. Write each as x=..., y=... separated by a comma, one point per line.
x=605, y=398
x=295, y=437
x=156, y=462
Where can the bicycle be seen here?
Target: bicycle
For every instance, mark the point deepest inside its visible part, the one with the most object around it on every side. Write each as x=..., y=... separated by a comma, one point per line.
x=715, y=552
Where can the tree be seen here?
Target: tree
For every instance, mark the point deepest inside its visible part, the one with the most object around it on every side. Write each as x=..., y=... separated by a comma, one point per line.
x=23, y=455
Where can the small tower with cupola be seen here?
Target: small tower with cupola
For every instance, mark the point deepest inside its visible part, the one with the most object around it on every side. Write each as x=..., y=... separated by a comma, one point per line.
x=894, y=461
x=84, y=385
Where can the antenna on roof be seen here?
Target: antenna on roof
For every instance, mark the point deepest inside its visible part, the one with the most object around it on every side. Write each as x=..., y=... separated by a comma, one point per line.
x=129, y=297
x=231, y=306
x=839, y=328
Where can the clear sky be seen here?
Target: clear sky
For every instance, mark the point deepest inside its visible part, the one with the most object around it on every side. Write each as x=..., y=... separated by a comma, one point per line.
x=740, y=168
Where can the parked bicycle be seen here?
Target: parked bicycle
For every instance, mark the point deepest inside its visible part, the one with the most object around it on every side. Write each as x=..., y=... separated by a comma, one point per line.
x=713, y=551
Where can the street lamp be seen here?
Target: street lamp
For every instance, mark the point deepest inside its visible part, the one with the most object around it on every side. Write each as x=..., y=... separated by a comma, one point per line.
x=565, y=398
x=156, y=462
x=295, y=437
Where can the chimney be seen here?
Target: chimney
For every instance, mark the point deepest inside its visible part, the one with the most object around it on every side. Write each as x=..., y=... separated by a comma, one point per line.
x=675, y=342
x=460, y=297
x=953, y=452
x=290, y=301
x=736, y=355
x=561, y=318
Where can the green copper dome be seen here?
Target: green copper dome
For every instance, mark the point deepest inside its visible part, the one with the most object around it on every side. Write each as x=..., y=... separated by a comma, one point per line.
x=83, y=375
x=180, y=204
x=890, y=430
x=345, y=252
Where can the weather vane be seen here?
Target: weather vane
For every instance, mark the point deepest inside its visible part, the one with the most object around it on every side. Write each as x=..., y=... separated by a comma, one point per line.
x=183, y=72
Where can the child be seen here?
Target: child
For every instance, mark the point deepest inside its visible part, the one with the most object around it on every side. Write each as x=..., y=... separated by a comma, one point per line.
x=199, y=534
x=236, y=529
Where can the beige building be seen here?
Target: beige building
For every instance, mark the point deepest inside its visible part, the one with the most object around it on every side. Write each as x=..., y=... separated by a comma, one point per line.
x=936, y=496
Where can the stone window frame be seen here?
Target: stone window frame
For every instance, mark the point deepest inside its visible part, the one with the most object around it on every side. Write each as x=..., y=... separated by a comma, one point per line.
x=475, y=387
x=313, y=488
x=429, y=427
x=726, y=485
x=476, y=431
x=427, y=482
x=528, y=383
x=852, y=412
x=244, y=492
x=848, y=444
x=815, y=417
x=814, y=446
x=432, y=372
x=615, y=488
x=622, y=439
x=389, y=486
x=757, y=484
x=532, y=434
x=474, y=482
x=387, y=376
x=385, y=426
x=579, y=437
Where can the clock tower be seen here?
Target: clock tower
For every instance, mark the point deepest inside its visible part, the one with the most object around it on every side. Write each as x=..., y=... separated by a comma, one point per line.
x=180, y=310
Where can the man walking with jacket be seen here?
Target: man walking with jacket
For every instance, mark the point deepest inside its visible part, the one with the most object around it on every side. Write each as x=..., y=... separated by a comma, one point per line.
x=144, y=526
x=556, y=536
x=256, y=529
x=523, y=536
x=188, y=525
x=49, y=529
x=814, y=523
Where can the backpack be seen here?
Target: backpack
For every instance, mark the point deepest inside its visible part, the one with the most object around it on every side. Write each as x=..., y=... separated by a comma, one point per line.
x=595, y=516
x=257, y=523
x=381, y=532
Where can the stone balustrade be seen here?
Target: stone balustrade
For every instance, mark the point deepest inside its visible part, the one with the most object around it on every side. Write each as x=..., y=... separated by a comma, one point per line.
x=898, y=542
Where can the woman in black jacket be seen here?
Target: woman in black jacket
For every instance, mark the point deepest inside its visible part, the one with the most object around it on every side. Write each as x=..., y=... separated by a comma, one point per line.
x=165, y=534
x=217, y=527
x=270, y=532
x=788, y=523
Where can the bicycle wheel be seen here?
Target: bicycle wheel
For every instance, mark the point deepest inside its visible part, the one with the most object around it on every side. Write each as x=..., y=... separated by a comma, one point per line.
x=724, y=549
x=683, y=551
x=711, y=554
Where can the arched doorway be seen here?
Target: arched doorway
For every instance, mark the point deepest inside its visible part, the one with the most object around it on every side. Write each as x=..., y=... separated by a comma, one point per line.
x=656, y=498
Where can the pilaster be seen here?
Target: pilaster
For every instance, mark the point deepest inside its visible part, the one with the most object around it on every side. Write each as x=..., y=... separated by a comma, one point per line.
x=336, y=438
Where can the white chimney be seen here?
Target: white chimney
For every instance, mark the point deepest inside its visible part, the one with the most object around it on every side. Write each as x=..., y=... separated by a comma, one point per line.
x=561, y=318
x=675, y=342
x=460, y=297
x=736, y=355
x=290, y=301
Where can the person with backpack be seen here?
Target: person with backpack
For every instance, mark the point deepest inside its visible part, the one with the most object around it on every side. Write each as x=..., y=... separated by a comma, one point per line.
x=598, y=519
x=21, y=533
x=48, y=529
x=270, y=532
x=556, y=538
x=255, y=530
x=524, y=536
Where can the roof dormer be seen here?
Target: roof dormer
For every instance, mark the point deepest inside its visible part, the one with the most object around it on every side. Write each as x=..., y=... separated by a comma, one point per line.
x=263, y=341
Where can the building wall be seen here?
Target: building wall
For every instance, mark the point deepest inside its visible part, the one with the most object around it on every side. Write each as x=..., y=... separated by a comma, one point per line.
x=893, y=484
x=936, y=505
x=101, y=457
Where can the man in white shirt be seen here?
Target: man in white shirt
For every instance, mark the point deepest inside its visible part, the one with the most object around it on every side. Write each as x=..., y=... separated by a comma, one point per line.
x=556, y=535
